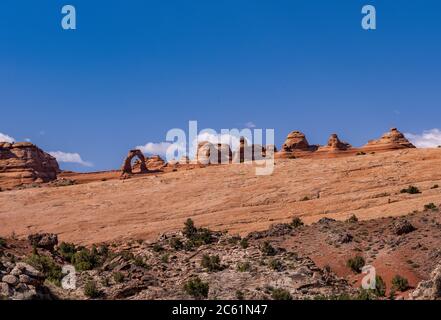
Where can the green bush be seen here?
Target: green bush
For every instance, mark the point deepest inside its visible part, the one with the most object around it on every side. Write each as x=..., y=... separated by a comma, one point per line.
x=356, y=264
x=281, y=295
x=196, y=288
x=364, y=294
x=430, y=206
x=165, y=258
x=91, y=290
x=400, y=283
x=297, y=222
x=211, y=263
x=196, y=236
x=244, y=243
x=118, y=277
x=244, y=266
x=67, y=251
x=267, y=249
x=411, y=190
x=176, y=244
x=86, y=259
x=276, y=265
x=2, y=243
x=139, y=262
x=47, y=266
x=380, y=287
x=352, y=219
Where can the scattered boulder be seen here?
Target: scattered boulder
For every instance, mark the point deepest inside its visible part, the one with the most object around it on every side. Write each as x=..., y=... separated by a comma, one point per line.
x=25, y=163
x=43, y=240
x=403, y=227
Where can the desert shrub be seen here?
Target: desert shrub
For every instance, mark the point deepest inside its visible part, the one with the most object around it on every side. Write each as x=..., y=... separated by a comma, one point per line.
x=91, y=290
x=361, y=153
x=139, y=262
x=234, y=240
x=435, y=186
x=211, y=263
x=196, y=288
x=244, y=243
x=281, y=295
x=244, y=266
x=400, y=283
x=67, y=251
x=196, y=236
x=86, y=259
x=430, y=206
x=352, y=219
x=411, y=190
x=118, y=277
x=305, y=198
x=47, y=266
x=157, y=247
x=240, y=295
x=176, y=244
x=364, y=294
x=2, y=243
x=165, y=258
x=356, y=264
x=296, y=222
x=267, y=249
x=276, y=265
x=380, y=287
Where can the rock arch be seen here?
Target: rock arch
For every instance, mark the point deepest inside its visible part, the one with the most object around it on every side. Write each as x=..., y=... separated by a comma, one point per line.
x=127, y=165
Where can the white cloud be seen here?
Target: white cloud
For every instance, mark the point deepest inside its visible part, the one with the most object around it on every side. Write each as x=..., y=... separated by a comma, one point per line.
x=155, y=148
x=70, y=158
x=250, y=125
x=427, y=139
x=6, y=138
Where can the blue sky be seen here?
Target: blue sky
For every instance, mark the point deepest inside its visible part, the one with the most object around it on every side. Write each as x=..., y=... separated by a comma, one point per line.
x=135, y=69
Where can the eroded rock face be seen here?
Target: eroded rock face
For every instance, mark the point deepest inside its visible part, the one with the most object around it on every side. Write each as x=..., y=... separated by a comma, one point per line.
x=127, y=165
x=210, y=153
x=296, y=140
x=430, y=289
x=334, y=143
x=25, y=163
x=393, y=139
x=155, y=163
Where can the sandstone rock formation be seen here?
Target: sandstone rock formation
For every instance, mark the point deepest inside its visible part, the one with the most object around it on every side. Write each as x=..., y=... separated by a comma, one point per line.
x=247, y=152
x=25, y=163
x=209, y=153
x=334, y=144
x=155, y=163
x=430, y=289
x=127, y=165
x=391, y=140
x=296, y=143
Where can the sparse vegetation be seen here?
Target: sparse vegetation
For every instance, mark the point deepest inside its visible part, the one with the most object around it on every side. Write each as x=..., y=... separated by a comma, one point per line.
x=411, y=190
x=47, y=266
x=435, y=186
x=276, y=265
x=165, y=258
x=196, y=236
x=85, y=259
x=67, y=251
x=2, y=243
x=380, y=287
x=430, y=206
x=196, y=288
x=267, y=249
x=244, y=243
x=91, y=290
x=361, y=153
x=118, y=277
x=211, y=263
x=244, y=266
x=305, y=198
x=176, y=244
x=297, y=222
x=356, y=264
x=352, y=219
x=281, y=295
x=400, y=283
